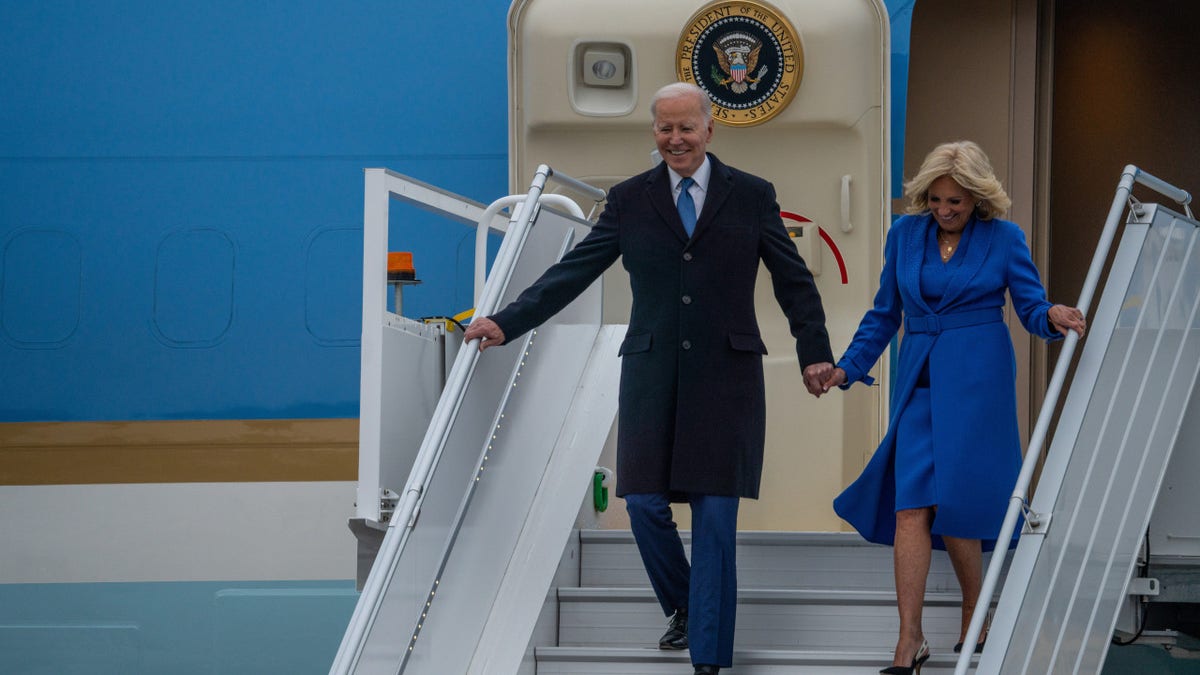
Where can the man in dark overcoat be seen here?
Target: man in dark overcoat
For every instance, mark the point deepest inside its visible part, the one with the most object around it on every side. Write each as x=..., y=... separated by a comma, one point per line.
x=692, y=404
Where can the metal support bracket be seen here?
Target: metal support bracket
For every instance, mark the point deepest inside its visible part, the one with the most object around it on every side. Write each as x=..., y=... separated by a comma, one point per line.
x=1035, y=523
x=1135, y=207
x=387, y=504
x=1143, y=586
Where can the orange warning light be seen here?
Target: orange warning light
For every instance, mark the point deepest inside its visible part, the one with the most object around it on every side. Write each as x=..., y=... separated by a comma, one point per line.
x=400, y=266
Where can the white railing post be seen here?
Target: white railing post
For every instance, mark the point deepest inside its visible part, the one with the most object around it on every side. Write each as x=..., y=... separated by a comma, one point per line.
x=1037, y=440
x=484, y=226
x=403, y=518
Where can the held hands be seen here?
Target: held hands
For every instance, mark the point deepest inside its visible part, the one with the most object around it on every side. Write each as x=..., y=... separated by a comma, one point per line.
x=1067, y=319
x=837, y=377
x=486, y=330
x=819, y=378
x=816, y=376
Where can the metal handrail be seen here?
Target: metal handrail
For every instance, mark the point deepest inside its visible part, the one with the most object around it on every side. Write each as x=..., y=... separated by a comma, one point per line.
x=1017, y=501
x=404, y=516
x=485, y=224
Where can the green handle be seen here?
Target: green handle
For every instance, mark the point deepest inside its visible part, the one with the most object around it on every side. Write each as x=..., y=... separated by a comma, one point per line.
x=599, y=492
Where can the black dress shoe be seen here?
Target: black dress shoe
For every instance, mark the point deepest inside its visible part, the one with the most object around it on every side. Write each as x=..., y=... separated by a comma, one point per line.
x=676, y=635
x=707, y=670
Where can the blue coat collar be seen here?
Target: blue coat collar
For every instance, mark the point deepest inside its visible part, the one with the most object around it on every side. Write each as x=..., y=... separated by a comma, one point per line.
x=976, y=241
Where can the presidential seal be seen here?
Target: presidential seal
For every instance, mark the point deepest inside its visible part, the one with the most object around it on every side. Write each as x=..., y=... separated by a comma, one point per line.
x=746, y=56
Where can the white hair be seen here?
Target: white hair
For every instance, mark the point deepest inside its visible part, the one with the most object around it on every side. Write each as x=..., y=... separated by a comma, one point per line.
x=681, y=90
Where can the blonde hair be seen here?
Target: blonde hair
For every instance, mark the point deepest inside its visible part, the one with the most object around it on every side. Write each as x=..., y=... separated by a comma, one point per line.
x=966, y=164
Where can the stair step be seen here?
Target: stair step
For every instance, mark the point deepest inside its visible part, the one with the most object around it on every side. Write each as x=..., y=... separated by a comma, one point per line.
x=632, y=661
x=769, y=560
x=808, y=602
x=789, y=619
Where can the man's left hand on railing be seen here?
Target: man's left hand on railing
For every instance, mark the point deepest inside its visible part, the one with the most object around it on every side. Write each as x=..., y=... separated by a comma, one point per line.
x=486, y=330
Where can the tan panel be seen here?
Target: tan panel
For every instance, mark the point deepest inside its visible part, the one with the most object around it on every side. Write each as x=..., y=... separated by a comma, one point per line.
x=1112, y=107
x=952, y=98
x=192, y=451
x=1124, y=93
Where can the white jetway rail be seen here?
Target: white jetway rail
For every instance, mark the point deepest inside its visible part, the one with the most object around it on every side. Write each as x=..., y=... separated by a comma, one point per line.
x=497, y=481
x=1114, y=439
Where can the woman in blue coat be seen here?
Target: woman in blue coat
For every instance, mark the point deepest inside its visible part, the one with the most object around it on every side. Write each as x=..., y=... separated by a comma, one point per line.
x=942, y=476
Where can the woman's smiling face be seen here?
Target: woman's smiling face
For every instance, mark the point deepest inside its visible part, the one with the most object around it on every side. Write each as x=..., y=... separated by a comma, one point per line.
x=950, y=204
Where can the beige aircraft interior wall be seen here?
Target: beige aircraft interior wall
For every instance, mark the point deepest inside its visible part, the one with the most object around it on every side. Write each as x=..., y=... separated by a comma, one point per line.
x=834, y=127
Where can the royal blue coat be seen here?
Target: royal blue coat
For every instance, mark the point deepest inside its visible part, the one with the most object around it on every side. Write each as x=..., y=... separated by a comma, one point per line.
x=692, y=410
x=972, y=371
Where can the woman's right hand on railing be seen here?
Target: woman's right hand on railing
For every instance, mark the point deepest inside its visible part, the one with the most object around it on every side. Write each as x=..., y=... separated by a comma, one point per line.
x=1066, y=319
x=486, y=330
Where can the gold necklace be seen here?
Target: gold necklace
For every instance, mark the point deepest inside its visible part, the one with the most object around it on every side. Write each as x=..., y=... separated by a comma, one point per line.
x=944, y=245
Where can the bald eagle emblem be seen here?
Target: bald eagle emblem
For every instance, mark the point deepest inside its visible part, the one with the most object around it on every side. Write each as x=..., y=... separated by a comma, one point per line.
x=745, y=55
x=737, y=56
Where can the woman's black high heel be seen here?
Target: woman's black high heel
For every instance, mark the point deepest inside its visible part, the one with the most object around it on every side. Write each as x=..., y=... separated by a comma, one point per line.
x=919, y=660
x=987, y=628
x=978, y=646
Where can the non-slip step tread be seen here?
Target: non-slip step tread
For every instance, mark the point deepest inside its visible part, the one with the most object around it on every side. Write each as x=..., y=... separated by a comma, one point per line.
x=610, y=558
x=649, y=661
x=766, y=619
x=749, y=537
x=761, y=596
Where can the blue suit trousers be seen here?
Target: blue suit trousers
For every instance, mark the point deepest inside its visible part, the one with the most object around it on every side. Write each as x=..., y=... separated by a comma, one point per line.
x=707, y=587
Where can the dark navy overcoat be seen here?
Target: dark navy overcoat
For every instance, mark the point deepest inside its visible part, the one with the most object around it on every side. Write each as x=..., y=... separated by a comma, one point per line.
x=972, y=370
x=692, y=409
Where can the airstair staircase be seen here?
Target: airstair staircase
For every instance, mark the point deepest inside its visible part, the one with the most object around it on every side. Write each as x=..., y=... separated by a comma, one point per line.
x=807, y=603
x=476, y=575
x=825, y=602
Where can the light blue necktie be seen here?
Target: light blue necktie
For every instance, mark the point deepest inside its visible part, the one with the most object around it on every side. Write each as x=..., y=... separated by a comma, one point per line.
x=687, y=207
